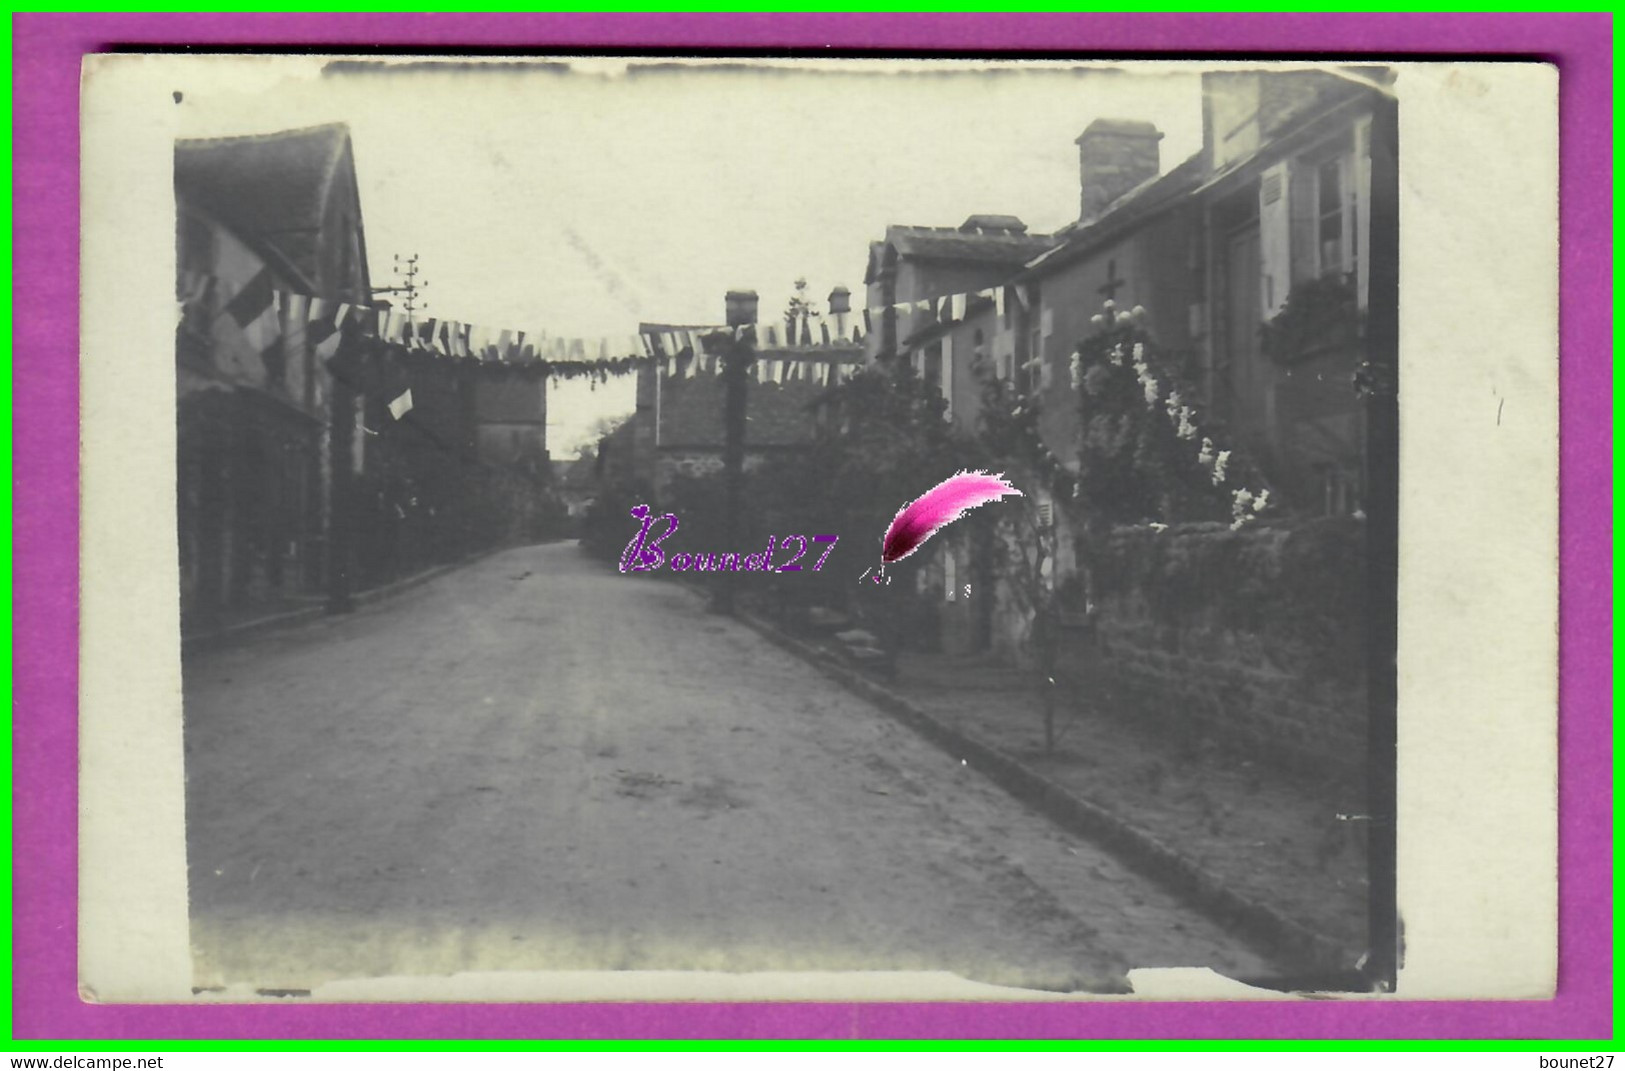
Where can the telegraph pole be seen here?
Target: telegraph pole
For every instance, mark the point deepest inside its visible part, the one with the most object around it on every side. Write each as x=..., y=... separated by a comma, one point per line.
x=406, y=270
x=738, y=353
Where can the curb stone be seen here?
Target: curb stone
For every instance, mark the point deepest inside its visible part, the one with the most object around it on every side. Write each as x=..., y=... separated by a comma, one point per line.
x=1286, y=938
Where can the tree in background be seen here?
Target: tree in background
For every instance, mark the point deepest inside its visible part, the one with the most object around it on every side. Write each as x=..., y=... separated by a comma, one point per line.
x=800, y=313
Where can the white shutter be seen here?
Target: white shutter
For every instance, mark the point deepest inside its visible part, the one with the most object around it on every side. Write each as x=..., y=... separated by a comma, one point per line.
x=1275, y=237
x=1362, y=207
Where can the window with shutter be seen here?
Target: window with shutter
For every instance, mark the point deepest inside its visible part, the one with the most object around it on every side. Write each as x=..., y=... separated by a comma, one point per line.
x=1275, y=237
x=1035, y=371
x=1329, y=216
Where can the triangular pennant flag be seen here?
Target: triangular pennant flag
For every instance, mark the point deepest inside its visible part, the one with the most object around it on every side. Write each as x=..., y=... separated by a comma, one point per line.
x=402, y=405
x=998, y=302
x=1022, y=296
x=959, y=302
x=249, y=303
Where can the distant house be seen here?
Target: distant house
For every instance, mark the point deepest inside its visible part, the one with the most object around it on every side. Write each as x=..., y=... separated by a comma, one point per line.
x=575, y=481
x=510, y=421
x=922, y=268
x=259, y=218
x=677, y=429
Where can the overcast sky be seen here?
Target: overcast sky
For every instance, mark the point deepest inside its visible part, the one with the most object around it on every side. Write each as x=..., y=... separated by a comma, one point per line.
x=581, y=199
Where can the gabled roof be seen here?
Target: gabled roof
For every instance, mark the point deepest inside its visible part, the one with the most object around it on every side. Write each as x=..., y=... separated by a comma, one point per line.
x=982, y=239
x=1122, y=215
x=270, y=188
x=951, y=243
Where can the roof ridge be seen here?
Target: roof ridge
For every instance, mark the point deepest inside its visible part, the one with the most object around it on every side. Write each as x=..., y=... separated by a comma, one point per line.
x=269, y=135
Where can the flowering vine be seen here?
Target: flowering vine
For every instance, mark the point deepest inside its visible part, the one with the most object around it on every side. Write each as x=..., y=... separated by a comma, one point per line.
x=1131, y=457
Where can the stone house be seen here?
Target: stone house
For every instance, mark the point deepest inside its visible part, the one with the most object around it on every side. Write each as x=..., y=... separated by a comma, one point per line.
x=1275, y=204
x=259, y=219
x=920, y=267
x=1286, y=202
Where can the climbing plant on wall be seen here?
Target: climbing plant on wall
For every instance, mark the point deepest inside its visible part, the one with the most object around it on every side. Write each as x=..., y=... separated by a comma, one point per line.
x=1143, y=454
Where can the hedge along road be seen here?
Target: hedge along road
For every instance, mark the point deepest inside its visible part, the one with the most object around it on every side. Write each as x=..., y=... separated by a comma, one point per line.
x=537, y=763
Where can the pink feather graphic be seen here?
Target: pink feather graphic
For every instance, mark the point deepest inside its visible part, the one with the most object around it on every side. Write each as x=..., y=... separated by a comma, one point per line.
x=945, y=503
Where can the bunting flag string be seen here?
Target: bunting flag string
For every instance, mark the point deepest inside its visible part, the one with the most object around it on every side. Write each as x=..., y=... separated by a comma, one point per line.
x=260, y=314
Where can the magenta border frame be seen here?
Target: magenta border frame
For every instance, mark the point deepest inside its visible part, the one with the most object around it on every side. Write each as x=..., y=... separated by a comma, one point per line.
x=46, y=54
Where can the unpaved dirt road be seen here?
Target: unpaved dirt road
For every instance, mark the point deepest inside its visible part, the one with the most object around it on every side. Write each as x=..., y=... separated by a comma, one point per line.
x=536, y=763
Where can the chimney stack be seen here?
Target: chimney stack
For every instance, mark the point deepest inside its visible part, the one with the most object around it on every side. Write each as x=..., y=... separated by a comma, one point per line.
x=840, y=309
x=1114, y=156
x=741, y=307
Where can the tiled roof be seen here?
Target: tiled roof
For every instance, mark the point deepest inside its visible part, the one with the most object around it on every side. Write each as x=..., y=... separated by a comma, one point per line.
x=269, y=187
x=951, y=243
x=1139, y=203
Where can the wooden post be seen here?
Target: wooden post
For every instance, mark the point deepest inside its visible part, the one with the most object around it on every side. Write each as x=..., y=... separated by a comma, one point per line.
x=737, y=357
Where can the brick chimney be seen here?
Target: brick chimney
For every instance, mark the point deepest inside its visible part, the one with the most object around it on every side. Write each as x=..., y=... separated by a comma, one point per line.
x=840, y=309
x=1114, y=156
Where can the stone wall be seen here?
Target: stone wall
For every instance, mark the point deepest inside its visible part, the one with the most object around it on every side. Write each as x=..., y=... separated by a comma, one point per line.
x=1253, y=639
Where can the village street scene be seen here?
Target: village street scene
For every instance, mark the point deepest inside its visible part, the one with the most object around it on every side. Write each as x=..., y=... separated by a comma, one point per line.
x=534, y=615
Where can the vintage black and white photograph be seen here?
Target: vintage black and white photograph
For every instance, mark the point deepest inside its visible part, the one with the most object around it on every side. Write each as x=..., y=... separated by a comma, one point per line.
x=716, y=516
